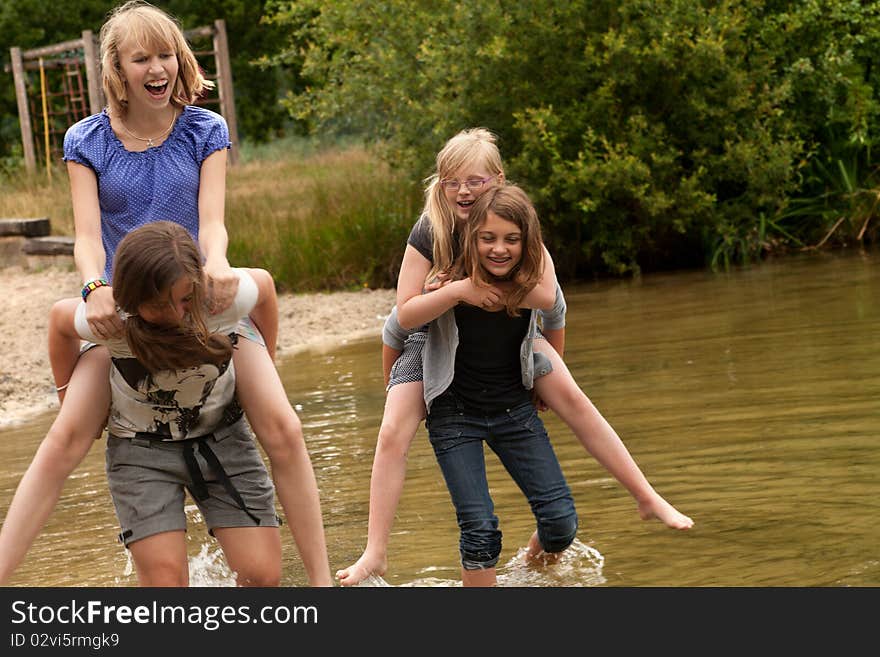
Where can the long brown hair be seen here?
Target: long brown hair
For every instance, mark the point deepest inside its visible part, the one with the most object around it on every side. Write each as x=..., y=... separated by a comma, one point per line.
x=513, y=204
x=147, y=26
x=148, y=262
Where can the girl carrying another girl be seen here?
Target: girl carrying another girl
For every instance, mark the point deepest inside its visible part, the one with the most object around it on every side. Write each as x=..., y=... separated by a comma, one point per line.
x=475, y=390
x=153, y=155
x=468, y=166
x=174, y=422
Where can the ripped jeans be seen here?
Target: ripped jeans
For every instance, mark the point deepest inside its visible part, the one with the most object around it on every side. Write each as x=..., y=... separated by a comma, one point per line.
x=517, y=435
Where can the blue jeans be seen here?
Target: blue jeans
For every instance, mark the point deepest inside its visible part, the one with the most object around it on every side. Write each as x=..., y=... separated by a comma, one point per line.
x=520, y=440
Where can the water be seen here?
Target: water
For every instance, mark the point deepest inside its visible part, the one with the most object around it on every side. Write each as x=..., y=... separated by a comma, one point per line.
x=749, y=399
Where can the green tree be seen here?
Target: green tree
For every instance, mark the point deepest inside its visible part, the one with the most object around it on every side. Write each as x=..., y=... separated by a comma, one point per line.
x=258, y=88
x=652, y=133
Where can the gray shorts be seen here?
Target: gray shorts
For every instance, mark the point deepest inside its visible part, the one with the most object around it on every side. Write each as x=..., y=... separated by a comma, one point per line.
x=147, y=479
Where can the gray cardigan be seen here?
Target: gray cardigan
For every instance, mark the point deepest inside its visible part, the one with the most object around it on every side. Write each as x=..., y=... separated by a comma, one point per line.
x=438, y=355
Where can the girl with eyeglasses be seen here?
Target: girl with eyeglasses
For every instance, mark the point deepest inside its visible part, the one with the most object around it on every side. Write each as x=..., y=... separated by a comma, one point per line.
x=468, y=166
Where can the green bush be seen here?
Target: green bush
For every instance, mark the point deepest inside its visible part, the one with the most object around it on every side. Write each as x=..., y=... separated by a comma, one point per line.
x=652, y=134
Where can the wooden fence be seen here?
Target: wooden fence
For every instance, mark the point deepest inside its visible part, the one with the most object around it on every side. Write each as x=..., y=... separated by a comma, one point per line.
x=52, y=95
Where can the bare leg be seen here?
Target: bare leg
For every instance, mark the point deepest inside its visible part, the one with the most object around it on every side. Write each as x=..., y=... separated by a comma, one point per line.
x=279, y=431
x=161, y=560
x=562, y=394
x=63, y=343
x=65, y=446
x=253, y=553
x=485, y=577
x=404, y=410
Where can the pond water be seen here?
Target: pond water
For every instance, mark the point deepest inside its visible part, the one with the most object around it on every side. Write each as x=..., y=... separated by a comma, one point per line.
x=748, y=398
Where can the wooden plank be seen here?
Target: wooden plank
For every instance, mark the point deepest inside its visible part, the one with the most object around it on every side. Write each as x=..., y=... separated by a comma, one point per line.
x=54, y=49
x=26, y=227
x=53, y=245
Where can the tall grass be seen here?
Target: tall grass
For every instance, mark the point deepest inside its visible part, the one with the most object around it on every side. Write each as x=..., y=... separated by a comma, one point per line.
x=30, y=196
x=316, y=217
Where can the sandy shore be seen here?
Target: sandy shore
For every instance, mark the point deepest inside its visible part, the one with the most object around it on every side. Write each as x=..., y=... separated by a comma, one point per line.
x=26, y=386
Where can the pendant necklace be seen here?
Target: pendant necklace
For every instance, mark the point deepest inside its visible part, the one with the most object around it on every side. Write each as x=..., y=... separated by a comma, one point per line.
x=149, y=140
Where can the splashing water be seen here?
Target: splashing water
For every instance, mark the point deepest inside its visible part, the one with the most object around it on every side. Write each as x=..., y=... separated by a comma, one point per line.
x=208, y=568
x=579, y=565
x=373, y=580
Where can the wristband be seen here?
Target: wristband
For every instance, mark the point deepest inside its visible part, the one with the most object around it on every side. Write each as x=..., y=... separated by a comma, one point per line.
x=92, y=285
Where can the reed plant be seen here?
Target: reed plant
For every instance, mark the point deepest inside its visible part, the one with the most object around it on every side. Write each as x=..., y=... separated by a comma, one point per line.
x=335, y=219
x=317, y=217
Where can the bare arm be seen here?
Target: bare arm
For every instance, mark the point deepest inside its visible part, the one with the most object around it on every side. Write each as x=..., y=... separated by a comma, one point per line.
x=213, y=238
x=543, y=295
x=415, y=308
x=88, y=250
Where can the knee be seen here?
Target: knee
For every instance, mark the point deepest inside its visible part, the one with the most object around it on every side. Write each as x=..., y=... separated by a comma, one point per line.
x=281, y=434
x=61, y=317
x=164, y=572
x=265, y=575
x=557, y=533
x=393, y=440
x=480, y=543
x=67, y=444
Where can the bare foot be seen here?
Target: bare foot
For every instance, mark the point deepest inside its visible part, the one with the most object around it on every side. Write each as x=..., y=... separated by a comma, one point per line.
x=361, y=570
x=535, y=555
x=665, y=512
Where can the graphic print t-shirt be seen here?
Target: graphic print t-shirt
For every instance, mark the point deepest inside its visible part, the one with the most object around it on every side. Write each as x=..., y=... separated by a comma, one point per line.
x=179, y=404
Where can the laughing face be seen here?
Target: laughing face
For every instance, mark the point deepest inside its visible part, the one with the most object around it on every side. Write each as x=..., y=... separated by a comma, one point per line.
x=465, y=186
x=149, y=73
x=499, y=245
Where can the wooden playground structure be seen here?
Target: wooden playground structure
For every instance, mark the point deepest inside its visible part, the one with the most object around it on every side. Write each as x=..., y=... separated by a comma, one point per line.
x=57, y=85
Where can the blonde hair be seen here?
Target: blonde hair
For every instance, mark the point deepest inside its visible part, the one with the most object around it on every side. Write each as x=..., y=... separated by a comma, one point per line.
x=513, y=204
x=472, y=146
x=147, y=26
x=148, y=262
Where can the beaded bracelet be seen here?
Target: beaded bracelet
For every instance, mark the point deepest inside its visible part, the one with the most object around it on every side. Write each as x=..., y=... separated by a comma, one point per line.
x=93, y=285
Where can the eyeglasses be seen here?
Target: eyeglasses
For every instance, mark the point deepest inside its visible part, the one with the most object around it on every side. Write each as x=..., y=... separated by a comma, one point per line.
x=472, y=184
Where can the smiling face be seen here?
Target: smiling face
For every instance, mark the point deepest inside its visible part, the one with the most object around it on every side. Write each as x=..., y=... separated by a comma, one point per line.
x=169, y=309
x=499, y=245
x=471, y=181
x=149, y=72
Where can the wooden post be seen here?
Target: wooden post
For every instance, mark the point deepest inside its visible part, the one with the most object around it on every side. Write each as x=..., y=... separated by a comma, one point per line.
x=93, y=72
x=24, y=116
x=224, y=85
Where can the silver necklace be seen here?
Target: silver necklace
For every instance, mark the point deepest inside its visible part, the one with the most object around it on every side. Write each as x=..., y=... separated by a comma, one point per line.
x=149, y=140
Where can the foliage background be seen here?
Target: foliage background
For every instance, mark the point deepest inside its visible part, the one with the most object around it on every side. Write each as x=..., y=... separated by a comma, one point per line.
x=651, y=134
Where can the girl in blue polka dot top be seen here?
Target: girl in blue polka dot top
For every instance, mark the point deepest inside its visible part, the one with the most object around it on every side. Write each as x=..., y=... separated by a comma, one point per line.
x=152, y=155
